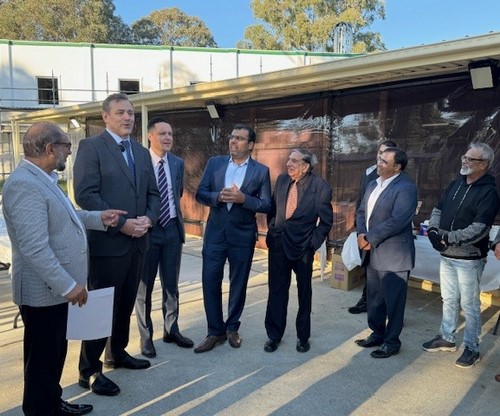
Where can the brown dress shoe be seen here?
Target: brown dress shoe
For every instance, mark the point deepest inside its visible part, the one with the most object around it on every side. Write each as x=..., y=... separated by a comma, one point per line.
x=234, y=339
x=210, y=342
x=497, y=378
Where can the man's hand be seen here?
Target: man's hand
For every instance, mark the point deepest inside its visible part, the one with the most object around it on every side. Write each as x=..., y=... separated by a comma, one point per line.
x=135, y=227
x=232, y=194
x=436, y=239
x=110, y=217
x=363, y=243
x=497, y=251
x=77, y=295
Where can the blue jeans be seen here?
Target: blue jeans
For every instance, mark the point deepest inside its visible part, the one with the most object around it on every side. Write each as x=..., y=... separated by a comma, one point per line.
x=460, y=288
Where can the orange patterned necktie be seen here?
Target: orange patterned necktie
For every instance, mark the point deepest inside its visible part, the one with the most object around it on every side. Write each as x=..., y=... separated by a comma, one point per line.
x=291, y=202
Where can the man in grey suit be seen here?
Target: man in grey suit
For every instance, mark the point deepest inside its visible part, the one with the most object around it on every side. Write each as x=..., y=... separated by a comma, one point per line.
x=49, y=263
x=166, y=240
x=384, y=226
x=113, y=170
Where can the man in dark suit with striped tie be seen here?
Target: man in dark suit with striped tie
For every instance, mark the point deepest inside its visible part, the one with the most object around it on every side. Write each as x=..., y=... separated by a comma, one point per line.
x=166, y=239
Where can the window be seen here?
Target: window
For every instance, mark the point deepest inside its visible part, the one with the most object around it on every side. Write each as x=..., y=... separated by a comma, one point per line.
x=48, y=92
x=129, y=86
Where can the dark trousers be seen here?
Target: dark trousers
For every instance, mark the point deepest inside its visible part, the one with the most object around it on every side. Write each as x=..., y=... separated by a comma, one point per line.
x=123, y=273
x=214, y=259
x=386, y=296
x=280, y=275
x=45, y=348
x=165, y=251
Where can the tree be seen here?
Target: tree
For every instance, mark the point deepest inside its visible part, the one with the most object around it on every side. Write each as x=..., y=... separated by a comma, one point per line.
x=173, y=27
x=62, y=21
x=308, y=24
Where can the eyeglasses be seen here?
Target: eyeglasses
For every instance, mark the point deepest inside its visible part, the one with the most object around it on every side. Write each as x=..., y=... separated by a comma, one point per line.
x=237, y=138
x=471, y=159
x=67, y=144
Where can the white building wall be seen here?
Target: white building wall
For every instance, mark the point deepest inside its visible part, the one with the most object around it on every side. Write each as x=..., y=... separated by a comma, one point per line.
x=87, y=72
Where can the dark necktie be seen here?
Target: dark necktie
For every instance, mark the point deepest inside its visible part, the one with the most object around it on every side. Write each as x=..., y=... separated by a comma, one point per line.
x=130, y=160
x=291, y=202
x=163, y=187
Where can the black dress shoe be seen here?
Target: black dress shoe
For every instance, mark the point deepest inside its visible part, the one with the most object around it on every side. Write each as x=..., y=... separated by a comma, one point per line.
x=210, y=342
x=99, y=384
x=129, y=362
x=271, y=345
x=302, y=345
x=359, y=308
x=148, y=349
x=369, y=342
x=66, y=409
x=179, y=339
x=234, y=339
x=384, y=352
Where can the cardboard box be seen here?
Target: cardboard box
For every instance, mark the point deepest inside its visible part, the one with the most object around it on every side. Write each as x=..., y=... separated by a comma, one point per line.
x=344, y=279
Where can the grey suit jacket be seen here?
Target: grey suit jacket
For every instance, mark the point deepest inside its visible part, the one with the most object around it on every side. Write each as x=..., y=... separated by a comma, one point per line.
x=103, y=181
x=49, y=245
x=389, y=228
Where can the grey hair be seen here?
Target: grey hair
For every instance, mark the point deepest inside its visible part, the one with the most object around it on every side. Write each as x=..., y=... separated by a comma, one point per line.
x=486, y=151
x=307, y=156
x=39, y=135
x=113, y=97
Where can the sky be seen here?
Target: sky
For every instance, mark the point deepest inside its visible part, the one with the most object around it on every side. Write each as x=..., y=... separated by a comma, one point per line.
x=407, y=22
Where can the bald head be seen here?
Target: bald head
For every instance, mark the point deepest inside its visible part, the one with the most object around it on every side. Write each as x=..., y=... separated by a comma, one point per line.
x=39, y=135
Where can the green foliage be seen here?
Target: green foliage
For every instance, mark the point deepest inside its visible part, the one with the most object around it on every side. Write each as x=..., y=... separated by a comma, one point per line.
x=308, y=24
x=173, y=27
x=62, y=21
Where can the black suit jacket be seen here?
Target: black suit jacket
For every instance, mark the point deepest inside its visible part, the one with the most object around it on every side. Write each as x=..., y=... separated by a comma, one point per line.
x=102, y=181
x=311, y=222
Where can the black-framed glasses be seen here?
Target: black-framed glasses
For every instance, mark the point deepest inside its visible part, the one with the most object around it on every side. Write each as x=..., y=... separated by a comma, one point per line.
x=67, y=144
x=471, y=159
x=237, y=138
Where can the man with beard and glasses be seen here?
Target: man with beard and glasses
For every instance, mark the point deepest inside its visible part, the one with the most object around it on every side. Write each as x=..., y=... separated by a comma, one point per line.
x=49, y=263
x=235, y=187
x=459, y=229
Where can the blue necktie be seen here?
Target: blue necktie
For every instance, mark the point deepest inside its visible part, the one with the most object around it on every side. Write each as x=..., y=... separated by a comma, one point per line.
x=130, y=160
x=163, y=187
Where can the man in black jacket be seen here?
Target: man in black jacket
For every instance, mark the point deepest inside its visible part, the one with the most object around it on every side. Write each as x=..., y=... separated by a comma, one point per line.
x=459, y=229
x=299, y=221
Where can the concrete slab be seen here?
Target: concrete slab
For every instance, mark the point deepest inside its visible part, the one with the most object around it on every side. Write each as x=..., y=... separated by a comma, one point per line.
x=336, y=377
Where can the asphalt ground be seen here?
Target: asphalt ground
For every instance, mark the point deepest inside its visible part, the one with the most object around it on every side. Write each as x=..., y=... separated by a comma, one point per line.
x=336, y=377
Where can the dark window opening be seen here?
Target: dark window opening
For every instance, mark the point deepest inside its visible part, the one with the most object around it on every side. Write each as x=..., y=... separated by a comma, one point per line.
x=129, y=87
x=48, y=92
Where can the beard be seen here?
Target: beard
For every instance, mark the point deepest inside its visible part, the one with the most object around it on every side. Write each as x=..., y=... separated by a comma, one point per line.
x=60, y=165
x=465, y=170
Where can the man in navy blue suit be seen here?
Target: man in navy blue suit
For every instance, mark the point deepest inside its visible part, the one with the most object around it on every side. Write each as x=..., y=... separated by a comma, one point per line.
x=384, y=226
x=235, y=187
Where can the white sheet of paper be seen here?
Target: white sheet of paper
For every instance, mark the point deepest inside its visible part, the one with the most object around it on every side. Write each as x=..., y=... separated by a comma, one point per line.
x=94, y=319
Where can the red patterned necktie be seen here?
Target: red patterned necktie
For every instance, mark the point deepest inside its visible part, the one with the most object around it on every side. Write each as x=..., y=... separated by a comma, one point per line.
x=291, y=202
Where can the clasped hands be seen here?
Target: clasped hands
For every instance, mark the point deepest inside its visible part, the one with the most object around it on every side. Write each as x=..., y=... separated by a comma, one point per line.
x=438, y=241
x=363, y=243
x=232, y=195
x=136, y=227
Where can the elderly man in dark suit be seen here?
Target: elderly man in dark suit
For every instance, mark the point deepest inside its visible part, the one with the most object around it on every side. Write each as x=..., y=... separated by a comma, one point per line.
x=298, y=223
x=113, y=170
x=166, y=240
x=235, y=187
x=49, y=263
x=384, y=226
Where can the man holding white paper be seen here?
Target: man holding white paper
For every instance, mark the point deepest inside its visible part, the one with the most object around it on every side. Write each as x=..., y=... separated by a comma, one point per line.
x=49, y=263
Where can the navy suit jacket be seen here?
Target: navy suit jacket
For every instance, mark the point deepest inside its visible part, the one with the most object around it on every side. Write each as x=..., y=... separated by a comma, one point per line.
x=103, y=181
x=176, y=165
x=238, y=225
x=311, y=222
x=390, y=225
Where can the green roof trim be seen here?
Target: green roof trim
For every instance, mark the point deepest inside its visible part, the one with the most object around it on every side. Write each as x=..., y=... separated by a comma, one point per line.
x=179, y=48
